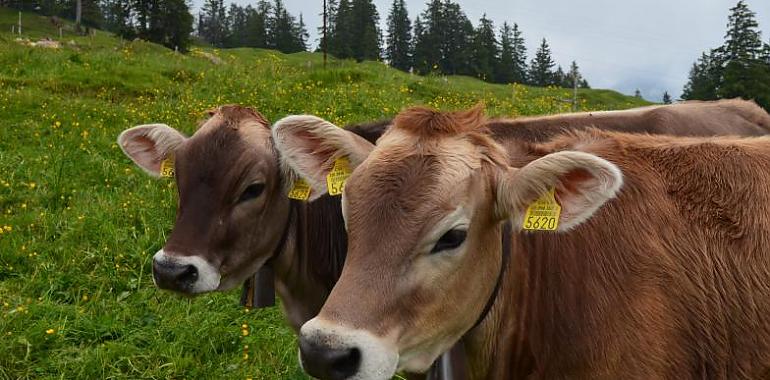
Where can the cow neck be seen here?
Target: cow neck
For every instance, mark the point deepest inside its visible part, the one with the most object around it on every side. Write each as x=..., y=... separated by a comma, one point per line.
x=311, y=260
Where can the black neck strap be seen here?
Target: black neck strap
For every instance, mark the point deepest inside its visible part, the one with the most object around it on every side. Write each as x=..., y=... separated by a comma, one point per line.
x=285, y=235
x=259, y=289
x=506, y=258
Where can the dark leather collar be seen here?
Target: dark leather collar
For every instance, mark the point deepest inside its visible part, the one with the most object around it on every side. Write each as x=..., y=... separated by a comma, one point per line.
x=453, y=365
x=259, y=289
x=506, y=258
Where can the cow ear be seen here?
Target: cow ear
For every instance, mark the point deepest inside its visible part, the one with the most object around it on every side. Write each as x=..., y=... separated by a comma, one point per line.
x=148, y=145
x=581, y=183
x=309, y=146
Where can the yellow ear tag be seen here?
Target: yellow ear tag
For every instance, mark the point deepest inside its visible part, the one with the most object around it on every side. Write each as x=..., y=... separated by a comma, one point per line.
x=543, y=214
x=167, y=167
x=335, y=180
x=300, y=190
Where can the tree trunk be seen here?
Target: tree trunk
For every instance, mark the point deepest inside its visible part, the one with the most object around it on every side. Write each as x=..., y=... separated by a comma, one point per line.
x=78, y=12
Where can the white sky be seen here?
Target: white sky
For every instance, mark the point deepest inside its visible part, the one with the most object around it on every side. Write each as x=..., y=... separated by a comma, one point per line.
x=621, y=45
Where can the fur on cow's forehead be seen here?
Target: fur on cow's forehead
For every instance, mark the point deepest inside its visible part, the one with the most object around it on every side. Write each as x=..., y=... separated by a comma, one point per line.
x=427, y=122
x=234, y=116
x=420, y=170
x=220, y=147
x=421, y=130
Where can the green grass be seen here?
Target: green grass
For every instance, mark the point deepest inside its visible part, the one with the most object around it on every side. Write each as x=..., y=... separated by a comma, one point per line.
x=80, y=223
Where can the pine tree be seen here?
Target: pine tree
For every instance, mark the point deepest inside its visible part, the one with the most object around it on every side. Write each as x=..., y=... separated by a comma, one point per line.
x=428, y=39
x=356, y=33
x=255, y=34
x=300, y=34
x=738, y=68
x=118, y=20
x=743, y=41
x=366, y=21
x=331, y=12
x=574, y=76
x=141, y=13
x=341, y=38
x=519, y=56
x=213, y=23
x=236, y=26
x=747, y=80
x=455, y=35
x=399, y=49
x=704, y=79
x=421, y=51
x=285, y=33
x=91, y=12
x=541, y=68
x=638, y=94
x=560, y=78
x=666, y=98
x=505, y=67
x=177, y=24
x=745, y=69
x=485, y=51
x=766, y=53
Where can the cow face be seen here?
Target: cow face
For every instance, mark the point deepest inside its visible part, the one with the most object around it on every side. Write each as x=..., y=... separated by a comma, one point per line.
x=424, y=212
x=232, y=212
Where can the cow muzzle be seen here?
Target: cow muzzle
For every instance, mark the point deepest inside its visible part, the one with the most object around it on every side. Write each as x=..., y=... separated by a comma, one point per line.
x=184, y=274
x=333, y=352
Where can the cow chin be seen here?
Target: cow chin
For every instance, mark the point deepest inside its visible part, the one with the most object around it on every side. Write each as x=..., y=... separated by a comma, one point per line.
x=184, y=274
x=416, y=363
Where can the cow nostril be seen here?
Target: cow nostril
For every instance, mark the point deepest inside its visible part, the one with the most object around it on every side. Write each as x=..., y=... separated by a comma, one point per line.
x=188, y=275
x=323, y=362
x=346, y=364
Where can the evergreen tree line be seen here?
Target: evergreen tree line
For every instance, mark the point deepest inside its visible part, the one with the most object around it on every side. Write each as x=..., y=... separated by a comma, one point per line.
x=91, y=13
x=167, y=22
x=738, y=68
x=443, y=40
x=267, y=25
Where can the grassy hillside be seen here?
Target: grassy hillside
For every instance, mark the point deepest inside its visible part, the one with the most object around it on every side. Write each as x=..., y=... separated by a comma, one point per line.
x=79, y=223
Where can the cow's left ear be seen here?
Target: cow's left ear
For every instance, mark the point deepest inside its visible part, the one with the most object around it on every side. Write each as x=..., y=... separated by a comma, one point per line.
x=309, y=146
x=581, y=183
x=148, y=145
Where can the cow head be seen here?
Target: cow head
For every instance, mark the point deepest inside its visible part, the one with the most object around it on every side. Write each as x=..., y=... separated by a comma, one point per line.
x=424, y=212
x=233, y=211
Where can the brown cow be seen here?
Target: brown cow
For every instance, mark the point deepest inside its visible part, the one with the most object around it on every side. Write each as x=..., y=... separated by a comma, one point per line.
x=233, y=215
x=671, y=278
x=733, y=116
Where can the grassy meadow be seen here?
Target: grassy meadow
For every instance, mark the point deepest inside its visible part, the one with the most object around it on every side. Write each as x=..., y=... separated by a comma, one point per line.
x=79, y=222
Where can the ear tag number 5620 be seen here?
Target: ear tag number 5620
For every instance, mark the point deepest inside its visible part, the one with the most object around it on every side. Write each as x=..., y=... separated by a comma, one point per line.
x=543, y=214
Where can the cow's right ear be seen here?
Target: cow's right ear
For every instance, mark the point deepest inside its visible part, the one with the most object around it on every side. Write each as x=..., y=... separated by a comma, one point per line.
x=309, y=146
x=148, y=145
x=579, y=182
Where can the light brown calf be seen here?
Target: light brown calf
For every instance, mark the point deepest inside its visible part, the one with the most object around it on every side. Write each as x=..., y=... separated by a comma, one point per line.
x=658, y=269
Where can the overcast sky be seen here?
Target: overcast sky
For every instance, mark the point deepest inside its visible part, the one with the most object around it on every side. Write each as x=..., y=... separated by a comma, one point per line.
x=621, y=45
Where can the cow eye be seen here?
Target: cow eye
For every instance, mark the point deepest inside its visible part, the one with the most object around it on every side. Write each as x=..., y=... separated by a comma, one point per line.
x=251, y=192
x=450, y=240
